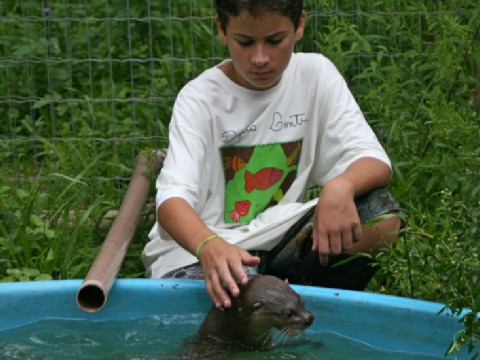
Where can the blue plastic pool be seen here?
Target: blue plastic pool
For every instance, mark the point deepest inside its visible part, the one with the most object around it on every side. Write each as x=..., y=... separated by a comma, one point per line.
x=381, y=321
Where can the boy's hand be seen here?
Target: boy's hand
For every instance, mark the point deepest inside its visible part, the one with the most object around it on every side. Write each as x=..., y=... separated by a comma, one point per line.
x=222, y=263
x=336, y=224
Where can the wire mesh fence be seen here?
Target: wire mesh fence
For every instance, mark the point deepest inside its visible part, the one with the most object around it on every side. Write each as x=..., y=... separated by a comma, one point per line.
x=85, y=85
x=96, y=77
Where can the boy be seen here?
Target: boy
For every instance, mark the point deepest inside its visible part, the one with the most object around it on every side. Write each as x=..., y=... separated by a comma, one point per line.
x=247, y=139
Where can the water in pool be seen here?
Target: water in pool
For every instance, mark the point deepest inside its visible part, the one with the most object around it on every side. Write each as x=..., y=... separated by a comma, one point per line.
x=164, y=338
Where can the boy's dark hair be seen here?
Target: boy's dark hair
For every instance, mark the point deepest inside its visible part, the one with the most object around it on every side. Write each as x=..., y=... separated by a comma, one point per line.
x=289, y=8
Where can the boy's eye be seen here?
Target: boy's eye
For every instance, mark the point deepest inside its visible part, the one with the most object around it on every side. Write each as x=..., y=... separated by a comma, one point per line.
x=245, y=42
x=274, y=41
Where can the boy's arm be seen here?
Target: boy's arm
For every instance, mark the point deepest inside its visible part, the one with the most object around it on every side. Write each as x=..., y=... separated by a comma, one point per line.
x=220, y=260
x=336, y=221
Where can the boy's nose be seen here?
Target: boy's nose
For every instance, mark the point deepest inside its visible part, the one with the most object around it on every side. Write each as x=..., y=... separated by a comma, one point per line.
x=260, y=56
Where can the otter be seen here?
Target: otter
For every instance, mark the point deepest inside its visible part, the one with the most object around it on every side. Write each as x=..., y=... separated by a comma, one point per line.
x=264, y=303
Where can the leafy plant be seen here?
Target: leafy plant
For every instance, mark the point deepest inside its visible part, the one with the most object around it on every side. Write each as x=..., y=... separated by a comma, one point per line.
x=87, y=86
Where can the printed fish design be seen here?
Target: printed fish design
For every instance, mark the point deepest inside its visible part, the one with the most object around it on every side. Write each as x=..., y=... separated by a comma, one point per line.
x=278, y=196
x=236, y=163
x=241, y=209
x=294, y=154
x=263, y=179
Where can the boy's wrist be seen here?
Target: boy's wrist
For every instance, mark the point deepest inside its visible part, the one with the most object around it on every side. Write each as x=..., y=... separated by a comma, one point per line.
x=203, y=243
x=343, y=184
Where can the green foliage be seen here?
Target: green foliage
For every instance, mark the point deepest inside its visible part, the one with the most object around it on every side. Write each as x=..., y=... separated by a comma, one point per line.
x=48, y=232
x=417, y=89
x=85, y=87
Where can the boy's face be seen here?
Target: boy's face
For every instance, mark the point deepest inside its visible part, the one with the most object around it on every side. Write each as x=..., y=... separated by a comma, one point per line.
x=260, y=48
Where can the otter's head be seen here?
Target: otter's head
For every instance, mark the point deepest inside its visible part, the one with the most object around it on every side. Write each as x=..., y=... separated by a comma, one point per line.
x=274, y=304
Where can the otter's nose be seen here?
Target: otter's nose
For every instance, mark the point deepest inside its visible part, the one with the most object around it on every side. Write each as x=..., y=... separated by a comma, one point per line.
x=309, y=318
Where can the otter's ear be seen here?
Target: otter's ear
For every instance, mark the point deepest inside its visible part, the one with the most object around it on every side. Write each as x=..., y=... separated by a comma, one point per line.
x=257, y=306
x=286, y=281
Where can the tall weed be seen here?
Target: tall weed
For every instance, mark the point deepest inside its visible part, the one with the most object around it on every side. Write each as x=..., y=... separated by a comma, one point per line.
x=416, y=90
x=80, y=98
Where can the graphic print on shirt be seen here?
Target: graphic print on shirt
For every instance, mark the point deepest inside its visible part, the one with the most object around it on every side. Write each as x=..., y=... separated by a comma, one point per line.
x=257, y=177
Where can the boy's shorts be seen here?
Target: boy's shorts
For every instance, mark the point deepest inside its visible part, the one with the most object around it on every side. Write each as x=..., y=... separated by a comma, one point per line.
x=293, y=259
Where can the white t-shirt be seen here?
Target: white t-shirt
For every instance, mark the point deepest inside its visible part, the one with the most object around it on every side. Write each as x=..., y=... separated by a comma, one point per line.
x=243, y=159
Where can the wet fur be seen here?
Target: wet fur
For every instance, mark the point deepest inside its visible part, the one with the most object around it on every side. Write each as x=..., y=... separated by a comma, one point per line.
x=266, y=302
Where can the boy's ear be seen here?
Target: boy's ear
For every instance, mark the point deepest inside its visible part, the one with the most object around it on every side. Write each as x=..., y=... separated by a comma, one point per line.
x=301, y=26
x=221, y=32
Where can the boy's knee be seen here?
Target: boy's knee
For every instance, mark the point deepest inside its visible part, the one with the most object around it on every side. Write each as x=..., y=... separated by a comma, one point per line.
x=378, y=235
x=389, y=228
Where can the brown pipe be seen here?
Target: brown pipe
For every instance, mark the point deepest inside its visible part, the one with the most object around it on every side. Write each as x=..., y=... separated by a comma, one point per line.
x=93, y=292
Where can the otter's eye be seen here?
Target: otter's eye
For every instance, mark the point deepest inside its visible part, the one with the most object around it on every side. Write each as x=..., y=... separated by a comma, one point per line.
x=289, y=312
x=257, y=306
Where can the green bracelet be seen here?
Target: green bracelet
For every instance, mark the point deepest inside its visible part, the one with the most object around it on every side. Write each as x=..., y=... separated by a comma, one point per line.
x=211, y=237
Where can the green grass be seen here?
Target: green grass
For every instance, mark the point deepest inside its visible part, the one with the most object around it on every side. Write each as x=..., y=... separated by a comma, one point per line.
x=76, y=110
